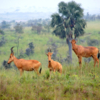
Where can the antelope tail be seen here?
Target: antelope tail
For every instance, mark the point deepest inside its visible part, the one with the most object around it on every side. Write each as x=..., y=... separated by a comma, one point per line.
x=98, y=55
x=40, y=70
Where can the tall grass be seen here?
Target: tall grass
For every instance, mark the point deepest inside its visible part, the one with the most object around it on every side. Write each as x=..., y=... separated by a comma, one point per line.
x=72, y=84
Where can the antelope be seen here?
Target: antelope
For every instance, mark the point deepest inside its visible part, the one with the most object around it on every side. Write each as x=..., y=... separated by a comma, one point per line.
x=24, y=65
x=53, y=65
x=89, y=51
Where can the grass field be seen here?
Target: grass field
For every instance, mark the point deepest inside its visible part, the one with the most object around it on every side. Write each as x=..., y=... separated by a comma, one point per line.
x=71, y=85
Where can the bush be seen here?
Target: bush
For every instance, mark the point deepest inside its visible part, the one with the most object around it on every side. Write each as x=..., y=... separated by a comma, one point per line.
x=21, y=54
x=30, y=50
x=18, y=28
x=37, y=28
x=6, y=65
x=2, y=41
x=4, y=25
x=92, y=42
x=2, y=32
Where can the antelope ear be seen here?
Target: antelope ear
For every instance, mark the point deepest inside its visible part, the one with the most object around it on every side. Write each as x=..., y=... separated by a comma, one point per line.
x=46, y=54
x=52, y=53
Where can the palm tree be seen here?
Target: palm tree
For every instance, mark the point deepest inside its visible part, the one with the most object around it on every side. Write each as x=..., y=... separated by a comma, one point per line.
x=68, y=22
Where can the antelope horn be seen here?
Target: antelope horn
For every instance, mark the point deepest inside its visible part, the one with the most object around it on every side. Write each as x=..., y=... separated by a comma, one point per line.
x=50, y=50
x=12, y=49
x=75, y=36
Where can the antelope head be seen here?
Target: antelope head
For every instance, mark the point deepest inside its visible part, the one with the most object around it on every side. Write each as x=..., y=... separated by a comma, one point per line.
x=73, y=41
x=11, y=58
x=49, y=54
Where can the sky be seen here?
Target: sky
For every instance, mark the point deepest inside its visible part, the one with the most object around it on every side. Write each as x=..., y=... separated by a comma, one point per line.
x=91, y=6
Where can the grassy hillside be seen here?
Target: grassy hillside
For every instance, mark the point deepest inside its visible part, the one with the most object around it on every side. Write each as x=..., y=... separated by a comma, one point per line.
x=71, y=85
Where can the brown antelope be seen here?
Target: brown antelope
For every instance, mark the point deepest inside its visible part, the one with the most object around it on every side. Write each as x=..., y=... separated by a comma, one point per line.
x=22, y=64
x=53, y=65
x=89, y=51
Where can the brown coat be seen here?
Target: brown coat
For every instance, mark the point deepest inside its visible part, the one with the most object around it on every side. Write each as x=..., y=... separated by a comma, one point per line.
x=22, y=64
x=53, y=65
x=89, y=51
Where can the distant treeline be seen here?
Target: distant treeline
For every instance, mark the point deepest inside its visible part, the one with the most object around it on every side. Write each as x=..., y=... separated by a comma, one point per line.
x=90, y=17
x=37, y=25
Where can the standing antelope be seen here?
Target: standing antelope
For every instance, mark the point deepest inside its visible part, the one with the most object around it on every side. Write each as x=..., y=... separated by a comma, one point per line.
x=22, y=64
x=89, y=51
x=53, y=65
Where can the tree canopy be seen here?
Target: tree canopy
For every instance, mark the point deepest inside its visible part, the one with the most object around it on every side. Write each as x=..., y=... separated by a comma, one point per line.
x=69, y=20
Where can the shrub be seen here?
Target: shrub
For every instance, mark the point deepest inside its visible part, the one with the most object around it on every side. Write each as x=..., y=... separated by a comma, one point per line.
x=30, y=50
x=4, y=25
x=21, y=54
x=2, y=41
x=37, y=28
x=92, y=42
x=6, y=65
x=18, y=28
x=2, y=32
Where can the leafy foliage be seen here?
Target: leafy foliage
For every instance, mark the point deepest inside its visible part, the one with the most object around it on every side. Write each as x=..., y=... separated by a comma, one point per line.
x=18, y=28
x=2, y=32
x=37, y=28
x=92, y=42
x=30, y=50
x=4, y=25
x=69, y=20
x=6, y=65
x=2, y=41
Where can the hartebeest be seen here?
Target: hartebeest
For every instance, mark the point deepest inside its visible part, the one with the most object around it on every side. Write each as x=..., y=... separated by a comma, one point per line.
x=89, y=51
x=53, y=65
x=22, y=64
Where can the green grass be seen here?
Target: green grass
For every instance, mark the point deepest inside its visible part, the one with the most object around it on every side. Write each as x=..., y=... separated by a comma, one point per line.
x=71, y=85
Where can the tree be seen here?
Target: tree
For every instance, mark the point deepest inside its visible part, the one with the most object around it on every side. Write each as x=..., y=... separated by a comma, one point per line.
x=30, y=50
x=39, y=28
x=4, y=25
x=68, y=22
x=18, y=28
x=2, y=41
x=6, y=65
x=1, y=32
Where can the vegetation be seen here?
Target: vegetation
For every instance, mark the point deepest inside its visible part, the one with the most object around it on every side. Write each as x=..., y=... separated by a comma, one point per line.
x=18, y=28
x=30, y=50
x=4, y=25
x=68, y=22
x=72, y=84
x=1, y=32
x=90, y=17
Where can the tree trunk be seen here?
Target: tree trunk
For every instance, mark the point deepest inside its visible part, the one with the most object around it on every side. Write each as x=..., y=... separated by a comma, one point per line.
x=18, y=46
x=70, y=48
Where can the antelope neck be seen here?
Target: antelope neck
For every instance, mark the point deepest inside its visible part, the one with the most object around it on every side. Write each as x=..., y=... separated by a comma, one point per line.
x=15, y=59
x=74, y=47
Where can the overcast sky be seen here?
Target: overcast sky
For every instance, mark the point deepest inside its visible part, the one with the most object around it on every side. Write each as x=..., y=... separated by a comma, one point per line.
x=92, y=6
